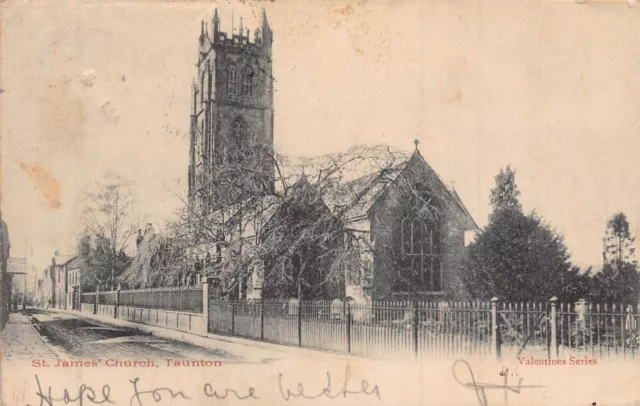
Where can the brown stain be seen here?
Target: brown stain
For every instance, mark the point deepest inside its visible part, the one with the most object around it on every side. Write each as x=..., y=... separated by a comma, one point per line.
x=345, y=10
x=61, y=113
x=44, y=182
x=365, y=28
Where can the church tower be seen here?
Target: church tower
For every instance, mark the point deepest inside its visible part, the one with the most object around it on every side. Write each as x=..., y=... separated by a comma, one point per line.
x=232, y=108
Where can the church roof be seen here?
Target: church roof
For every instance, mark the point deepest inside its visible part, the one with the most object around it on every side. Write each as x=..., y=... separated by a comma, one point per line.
x=352, y=180
x=357, y=162
x=357, y=195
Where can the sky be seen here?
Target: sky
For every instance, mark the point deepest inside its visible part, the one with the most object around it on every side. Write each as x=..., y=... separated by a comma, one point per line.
x=551, y=88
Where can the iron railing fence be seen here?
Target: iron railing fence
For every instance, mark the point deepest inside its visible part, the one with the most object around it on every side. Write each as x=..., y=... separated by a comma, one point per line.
x=404, y=329
x=177, y=299
x=107, y=298
x=380, y=329
x=524, y=326
x=598, y=330
x=434, y=329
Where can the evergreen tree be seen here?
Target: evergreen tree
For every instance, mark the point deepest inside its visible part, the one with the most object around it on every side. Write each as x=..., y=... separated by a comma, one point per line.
x=505, y=194
x=518, y=257
x=619, y=280
x=619, y=243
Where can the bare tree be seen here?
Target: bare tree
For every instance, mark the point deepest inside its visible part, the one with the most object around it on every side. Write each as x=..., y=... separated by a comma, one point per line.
x=300, y=224
x=108, y=216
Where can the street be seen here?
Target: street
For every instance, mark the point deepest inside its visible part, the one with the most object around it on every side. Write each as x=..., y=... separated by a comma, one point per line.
x=73, y=337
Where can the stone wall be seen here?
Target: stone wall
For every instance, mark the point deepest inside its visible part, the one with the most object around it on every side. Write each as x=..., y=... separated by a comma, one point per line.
x=189, y=322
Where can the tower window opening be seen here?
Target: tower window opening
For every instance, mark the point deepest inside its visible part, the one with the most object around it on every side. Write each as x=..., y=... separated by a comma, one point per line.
x=247, y=81
x=232, y=79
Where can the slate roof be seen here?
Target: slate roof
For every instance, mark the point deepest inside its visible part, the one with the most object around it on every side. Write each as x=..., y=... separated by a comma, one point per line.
x=355, y=163
x=358, y=195
x=75, y=262
x=63, y=259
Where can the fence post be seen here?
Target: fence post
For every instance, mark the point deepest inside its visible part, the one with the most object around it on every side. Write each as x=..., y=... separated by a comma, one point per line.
x=95, y=302
x=115, y=309
x=637, y=322
x=348, y=327
x=233, y=317
x=261, y=319
x=554, y=328
x=205, y=303
x=495, y=329
x=415, y=328
x=300, y=323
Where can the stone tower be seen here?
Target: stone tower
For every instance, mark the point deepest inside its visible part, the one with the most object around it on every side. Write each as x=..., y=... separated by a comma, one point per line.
x=232, y=108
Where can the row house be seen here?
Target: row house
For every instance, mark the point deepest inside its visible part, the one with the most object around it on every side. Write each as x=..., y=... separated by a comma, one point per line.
x=66, y=275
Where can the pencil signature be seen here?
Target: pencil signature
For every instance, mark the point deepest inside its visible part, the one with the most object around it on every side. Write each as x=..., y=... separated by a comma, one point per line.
x=480, y=387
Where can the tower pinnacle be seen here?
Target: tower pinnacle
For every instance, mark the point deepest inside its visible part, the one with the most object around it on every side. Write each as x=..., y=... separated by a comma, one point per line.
x=265, y=22
x=216, y=21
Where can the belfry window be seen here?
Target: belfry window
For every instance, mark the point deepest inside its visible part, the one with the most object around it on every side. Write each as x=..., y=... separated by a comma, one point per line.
x=232, y=79
x=247, y=81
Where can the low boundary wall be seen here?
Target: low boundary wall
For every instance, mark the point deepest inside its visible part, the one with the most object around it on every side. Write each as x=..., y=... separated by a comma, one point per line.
x=183, y=321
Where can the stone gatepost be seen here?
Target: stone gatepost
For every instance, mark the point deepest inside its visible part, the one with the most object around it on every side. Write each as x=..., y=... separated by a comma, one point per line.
x=116, y=307
x=581, y=331
x=95, y=302
x=581, y=310
x=205, y=304
x=630, y=321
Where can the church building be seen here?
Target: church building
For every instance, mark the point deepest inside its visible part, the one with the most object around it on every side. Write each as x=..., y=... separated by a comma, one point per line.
x=410, y=229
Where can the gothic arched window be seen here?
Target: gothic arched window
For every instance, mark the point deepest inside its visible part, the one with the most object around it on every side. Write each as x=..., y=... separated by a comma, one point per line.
x=419, y=245
x=240, y=141
x=232, y=79
x=247, y=81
